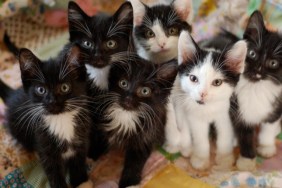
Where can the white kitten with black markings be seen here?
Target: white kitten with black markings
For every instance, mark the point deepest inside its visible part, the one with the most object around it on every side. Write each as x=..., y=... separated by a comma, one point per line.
x=201, y=97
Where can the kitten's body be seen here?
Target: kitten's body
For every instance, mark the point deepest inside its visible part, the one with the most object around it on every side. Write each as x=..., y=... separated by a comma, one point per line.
x=134, y=111
x=103, y=39
x=201, y=98
x=49, y=114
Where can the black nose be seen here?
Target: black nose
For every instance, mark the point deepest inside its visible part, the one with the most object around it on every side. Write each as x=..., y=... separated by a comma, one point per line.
x=127, y=103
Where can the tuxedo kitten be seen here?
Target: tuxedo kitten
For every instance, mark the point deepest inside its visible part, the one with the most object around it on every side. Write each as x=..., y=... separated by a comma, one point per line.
x=49, y=113
x=135, y=111
x=157, y=28
x=103, y=39
x=259, y=93
x=201, y=98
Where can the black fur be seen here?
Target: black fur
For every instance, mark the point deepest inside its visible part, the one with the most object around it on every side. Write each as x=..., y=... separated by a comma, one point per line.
x=10, y=45
x=138, y=144
x=27, y=123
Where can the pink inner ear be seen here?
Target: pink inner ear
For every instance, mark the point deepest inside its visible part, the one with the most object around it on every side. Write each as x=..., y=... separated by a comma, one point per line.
x=235, y=64
x=184, y=13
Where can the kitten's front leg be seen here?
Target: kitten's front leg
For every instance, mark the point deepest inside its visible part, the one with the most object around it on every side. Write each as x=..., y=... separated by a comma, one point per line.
x=77, y=169
x=266, y=138
x=225, y=138
x=245, y=134
x=133, y=165
x=200, y=158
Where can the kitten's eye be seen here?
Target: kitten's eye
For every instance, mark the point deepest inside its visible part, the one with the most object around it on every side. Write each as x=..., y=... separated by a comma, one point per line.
x=193, y=78
x=111, y=44
x=65, y=88
x=87, y=44
x=173, y=31
x=144, y=92
x=150, y=34
x=40, y=90
x=123, y=84
x=252, y=54
x=273, y=64
x=217, y=82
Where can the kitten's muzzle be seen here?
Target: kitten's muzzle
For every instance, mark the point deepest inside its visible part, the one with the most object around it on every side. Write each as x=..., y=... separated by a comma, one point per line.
x=127, y=103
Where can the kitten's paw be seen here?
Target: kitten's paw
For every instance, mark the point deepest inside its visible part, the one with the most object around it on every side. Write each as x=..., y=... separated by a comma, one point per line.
x=185, y=152
x=267, y=151
x=246, y=164
x=170, y=148
x=224, y=162
x=199, y=163
x=133, y=186
x=87, y=184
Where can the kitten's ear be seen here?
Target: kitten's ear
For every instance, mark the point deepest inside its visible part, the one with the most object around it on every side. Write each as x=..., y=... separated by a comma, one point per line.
x=255, y=26
x=124, y=14
x=73, y=58
x=187, y=48
x=184, y=8
x=167, y=71
x=235, y=57
x=75, y=13
x=139, y=10
x=28, y=62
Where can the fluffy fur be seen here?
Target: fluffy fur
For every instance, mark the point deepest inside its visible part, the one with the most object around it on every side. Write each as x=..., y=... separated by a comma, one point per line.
x=49, y=114
x=103, y=39
x=157, y=28
x=259, y=92
x=201, y=98
x=135, y=111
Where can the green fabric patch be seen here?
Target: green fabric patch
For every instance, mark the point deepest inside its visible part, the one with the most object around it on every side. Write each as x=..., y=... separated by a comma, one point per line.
x=169, y=156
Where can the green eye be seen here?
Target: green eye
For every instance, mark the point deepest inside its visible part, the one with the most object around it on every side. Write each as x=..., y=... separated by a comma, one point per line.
x=173, y=31
x=111, y=44
x=150, y=34
x=145, y=92
x=193, y=78
x=65, y=88
x=273, y=64
x=217, y=82
x=40, y=90
x=123, y=84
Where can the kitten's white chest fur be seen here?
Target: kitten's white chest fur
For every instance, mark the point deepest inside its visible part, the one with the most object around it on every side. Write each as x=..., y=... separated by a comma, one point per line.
x=62, y=125
x=256, y=100
x=99, y=76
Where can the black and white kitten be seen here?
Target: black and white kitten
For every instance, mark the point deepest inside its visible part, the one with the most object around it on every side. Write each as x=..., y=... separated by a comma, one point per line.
x=157, y=28
x=135, y=111
x=259, y=93
x=49, y=114
x=102, y=38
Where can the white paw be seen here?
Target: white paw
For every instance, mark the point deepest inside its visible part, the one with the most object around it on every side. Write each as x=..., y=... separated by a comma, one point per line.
x=246, y=164
x=267, y=151
x=199, y=163
x=133, y=186
x=170, y=148
x=224, y=162
x=87, y=184
x=186, y=152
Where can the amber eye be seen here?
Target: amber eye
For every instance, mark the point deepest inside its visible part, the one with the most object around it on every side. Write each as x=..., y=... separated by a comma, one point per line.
x=145, y=92
x=273, y=64
x=193, y=78
x=173, y=31
x=150, y=34
x=111, y=44
x=217, y=82
x=252, y=54
x=40, y=90
x=65, y=88
x=123, y=84
x=87, y=44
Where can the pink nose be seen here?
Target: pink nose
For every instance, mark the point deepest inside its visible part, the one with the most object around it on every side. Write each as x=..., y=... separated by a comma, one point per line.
x=203, y=94
x=162, y=45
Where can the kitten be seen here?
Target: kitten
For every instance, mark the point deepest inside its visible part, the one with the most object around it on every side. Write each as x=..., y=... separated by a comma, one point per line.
x=259, y=93
x=157, y=28
x=135, y=111
x=201, y=98
x=102, y=38
x=49, y=113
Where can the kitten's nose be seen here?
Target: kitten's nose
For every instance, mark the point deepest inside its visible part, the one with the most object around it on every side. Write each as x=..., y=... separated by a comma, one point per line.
x=203, y=94
x=162, y=44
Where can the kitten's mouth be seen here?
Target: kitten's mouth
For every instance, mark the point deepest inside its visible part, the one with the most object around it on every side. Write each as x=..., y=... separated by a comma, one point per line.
x=99, y=64
x=200, y=102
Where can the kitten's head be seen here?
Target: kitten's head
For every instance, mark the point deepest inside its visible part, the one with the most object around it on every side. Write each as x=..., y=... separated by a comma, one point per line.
x=209, y=76
x=55, y=84
x=140, y=85
x=157, y=28
x=264, y=56
x=102, y=37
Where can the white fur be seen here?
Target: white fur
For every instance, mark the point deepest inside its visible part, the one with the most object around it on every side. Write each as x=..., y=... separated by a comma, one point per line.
x=255, y=100
x=99, y=76
x=62, y=125
x=69, y=153
x=87, y=184
x=123, y=121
